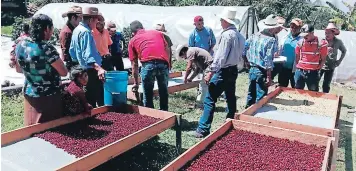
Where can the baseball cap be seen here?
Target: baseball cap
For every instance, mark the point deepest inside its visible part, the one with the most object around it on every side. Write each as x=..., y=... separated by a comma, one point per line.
x=111, y=26
x=307, y=28
x=198, y=18
x=297, y=21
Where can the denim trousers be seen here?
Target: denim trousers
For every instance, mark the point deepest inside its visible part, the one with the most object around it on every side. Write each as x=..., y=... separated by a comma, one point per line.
x=257, y=87
x=223, y=80
x=328, y=76
x=150, y=71
x=309, y=77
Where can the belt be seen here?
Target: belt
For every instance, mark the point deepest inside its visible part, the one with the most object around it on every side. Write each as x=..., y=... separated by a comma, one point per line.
x=156, y=61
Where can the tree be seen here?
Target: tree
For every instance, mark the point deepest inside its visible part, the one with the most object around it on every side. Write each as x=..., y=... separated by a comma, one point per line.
x=347, y=21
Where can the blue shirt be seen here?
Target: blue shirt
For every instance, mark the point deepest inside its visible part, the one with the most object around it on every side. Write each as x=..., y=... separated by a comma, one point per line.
x=288, y=49
x=82, y=47
x=204, y=38
x=35, y=60
x=116, y=43
x=260, y=50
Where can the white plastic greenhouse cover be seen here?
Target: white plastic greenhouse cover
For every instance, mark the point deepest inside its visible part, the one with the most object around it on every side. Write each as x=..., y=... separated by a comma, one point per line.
x=178, y=20
x=346, y=72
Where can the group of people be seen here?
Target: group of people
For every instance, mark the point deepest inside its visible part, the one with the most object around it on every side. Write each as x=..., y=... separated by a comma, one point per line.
x=308, y=58
x=89, y=50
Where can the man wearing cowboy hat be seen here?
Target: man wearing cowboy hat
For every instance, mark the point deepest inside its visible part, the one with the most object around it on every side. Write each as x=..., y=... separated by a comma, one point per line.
x=116, y=47
x=334, y=45
x=259, y=51
x=287, y=49
x=198, y=60
x=102, y=42
x=223, y=71
x=74, y=15
x=83, y=49
x=311, y=55
x=161, y=27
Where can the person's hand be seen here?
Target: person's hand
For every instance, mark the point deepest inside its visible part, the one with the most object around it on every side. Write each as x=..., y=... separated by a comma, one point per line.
x=135, y=88
x=208, y=77
x=187, y=81
x=269, y=81
x=101, y=74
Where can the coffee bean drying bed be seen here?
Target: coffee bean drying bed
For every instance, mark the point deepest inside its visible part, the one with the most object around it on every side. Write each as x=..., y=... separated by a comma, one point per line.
x=83, y=142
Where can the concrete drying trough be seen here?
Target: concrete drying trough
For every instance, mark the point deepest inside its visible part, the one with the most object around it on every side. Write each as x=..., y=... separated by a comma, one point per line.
x=23, y=150
x=175, y=84
x=234, y=155
x=299, y=106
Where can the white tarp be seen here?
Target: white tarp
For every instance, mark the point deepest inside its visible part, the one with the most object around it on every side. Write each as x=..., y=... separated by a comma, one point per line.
x=178, y=20
x=346, y=72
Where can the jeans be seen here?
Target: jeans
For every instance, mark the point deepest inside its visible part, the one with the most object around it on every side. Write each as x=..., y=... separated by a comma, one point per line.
x=94, y=89
x=222, y=80
x=257, y=87
x=285, y=76
x=328, y=75
x=149, y=72
x=309, y=77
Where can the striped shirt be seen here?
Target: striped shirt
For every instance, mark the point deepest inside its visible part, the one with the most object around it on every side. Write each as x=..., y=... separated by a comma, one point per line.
x=311, y=53
x=260, y=49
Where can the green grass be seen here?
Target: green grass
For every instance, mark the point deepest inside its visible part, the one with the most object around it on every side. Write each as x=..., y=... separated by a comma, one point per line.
x=160, y=150
x=6, y=30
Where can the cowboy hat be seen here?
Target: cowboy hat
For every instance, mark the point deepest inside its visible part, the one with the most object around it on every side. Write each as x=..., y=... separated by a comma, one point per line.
x=271, y=21
x=178, y=50
x=91, y=11
x=229, y=15
x=73, y=10
x=332, y=26
x=160, y=27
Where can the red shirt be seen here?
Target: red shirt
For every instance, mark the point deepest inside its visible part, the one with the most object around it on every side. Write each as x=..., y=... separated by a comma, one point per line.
x=148, y=45
x=311, y=54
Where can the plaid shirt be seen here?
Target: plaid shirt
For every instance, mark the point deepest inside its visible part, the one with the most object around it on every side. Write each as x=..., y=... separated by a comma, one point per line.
x=260, y=49
x=35, y=60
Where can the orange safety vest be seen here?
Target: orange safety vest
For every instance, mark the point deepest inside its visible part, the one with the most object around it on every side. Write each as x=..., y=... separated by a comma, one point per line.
x=309, y=52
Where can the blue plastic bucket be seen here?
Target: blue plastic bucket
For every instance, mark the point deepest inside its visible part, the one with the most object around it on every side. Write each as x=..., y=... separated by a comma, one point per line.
x=115, y=88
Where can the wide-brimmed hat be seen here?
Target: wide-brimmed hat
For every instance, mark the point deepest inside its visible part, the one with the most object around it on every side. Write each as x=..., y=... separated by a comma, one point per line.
x=332, y=26
x=270, y=22
x=160, y=27
x=178, y=50
x=91, y=11
x=229, y=15
x=73, y=10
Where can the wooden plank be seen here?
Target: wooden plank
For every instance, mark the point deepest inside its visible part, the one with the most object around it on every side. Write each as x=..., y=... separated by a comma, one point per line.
x=171, y=89
x=171, y=75
x=326, y=156
x=149, y=112
x=310, y=93
x=252, y=109
x=292, y=135
x=26, y=132
x=335, y=145
x=197, y=148
x=287, y=125
x=116, y=148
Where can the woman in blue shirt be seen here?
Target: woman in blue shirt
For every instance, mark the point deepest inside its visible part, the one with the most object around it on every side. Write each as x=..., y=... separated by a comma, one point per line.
x=39, y=61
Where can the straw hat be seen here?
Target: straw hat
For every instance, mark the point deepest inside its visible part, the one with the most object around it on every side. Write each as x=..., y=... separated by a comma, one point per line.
x=73, y=10
x=297, y=21
x=177, y=52
x=271, y=21
x=229, y=15
x=160, y=27
x=91, y=11
x=332, y=26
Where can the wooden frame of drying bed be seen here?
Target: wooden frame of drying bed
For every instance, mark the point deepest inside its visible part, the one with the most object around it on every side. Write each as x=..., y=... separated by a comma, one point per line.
x=112, y=150
x=272, y=129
